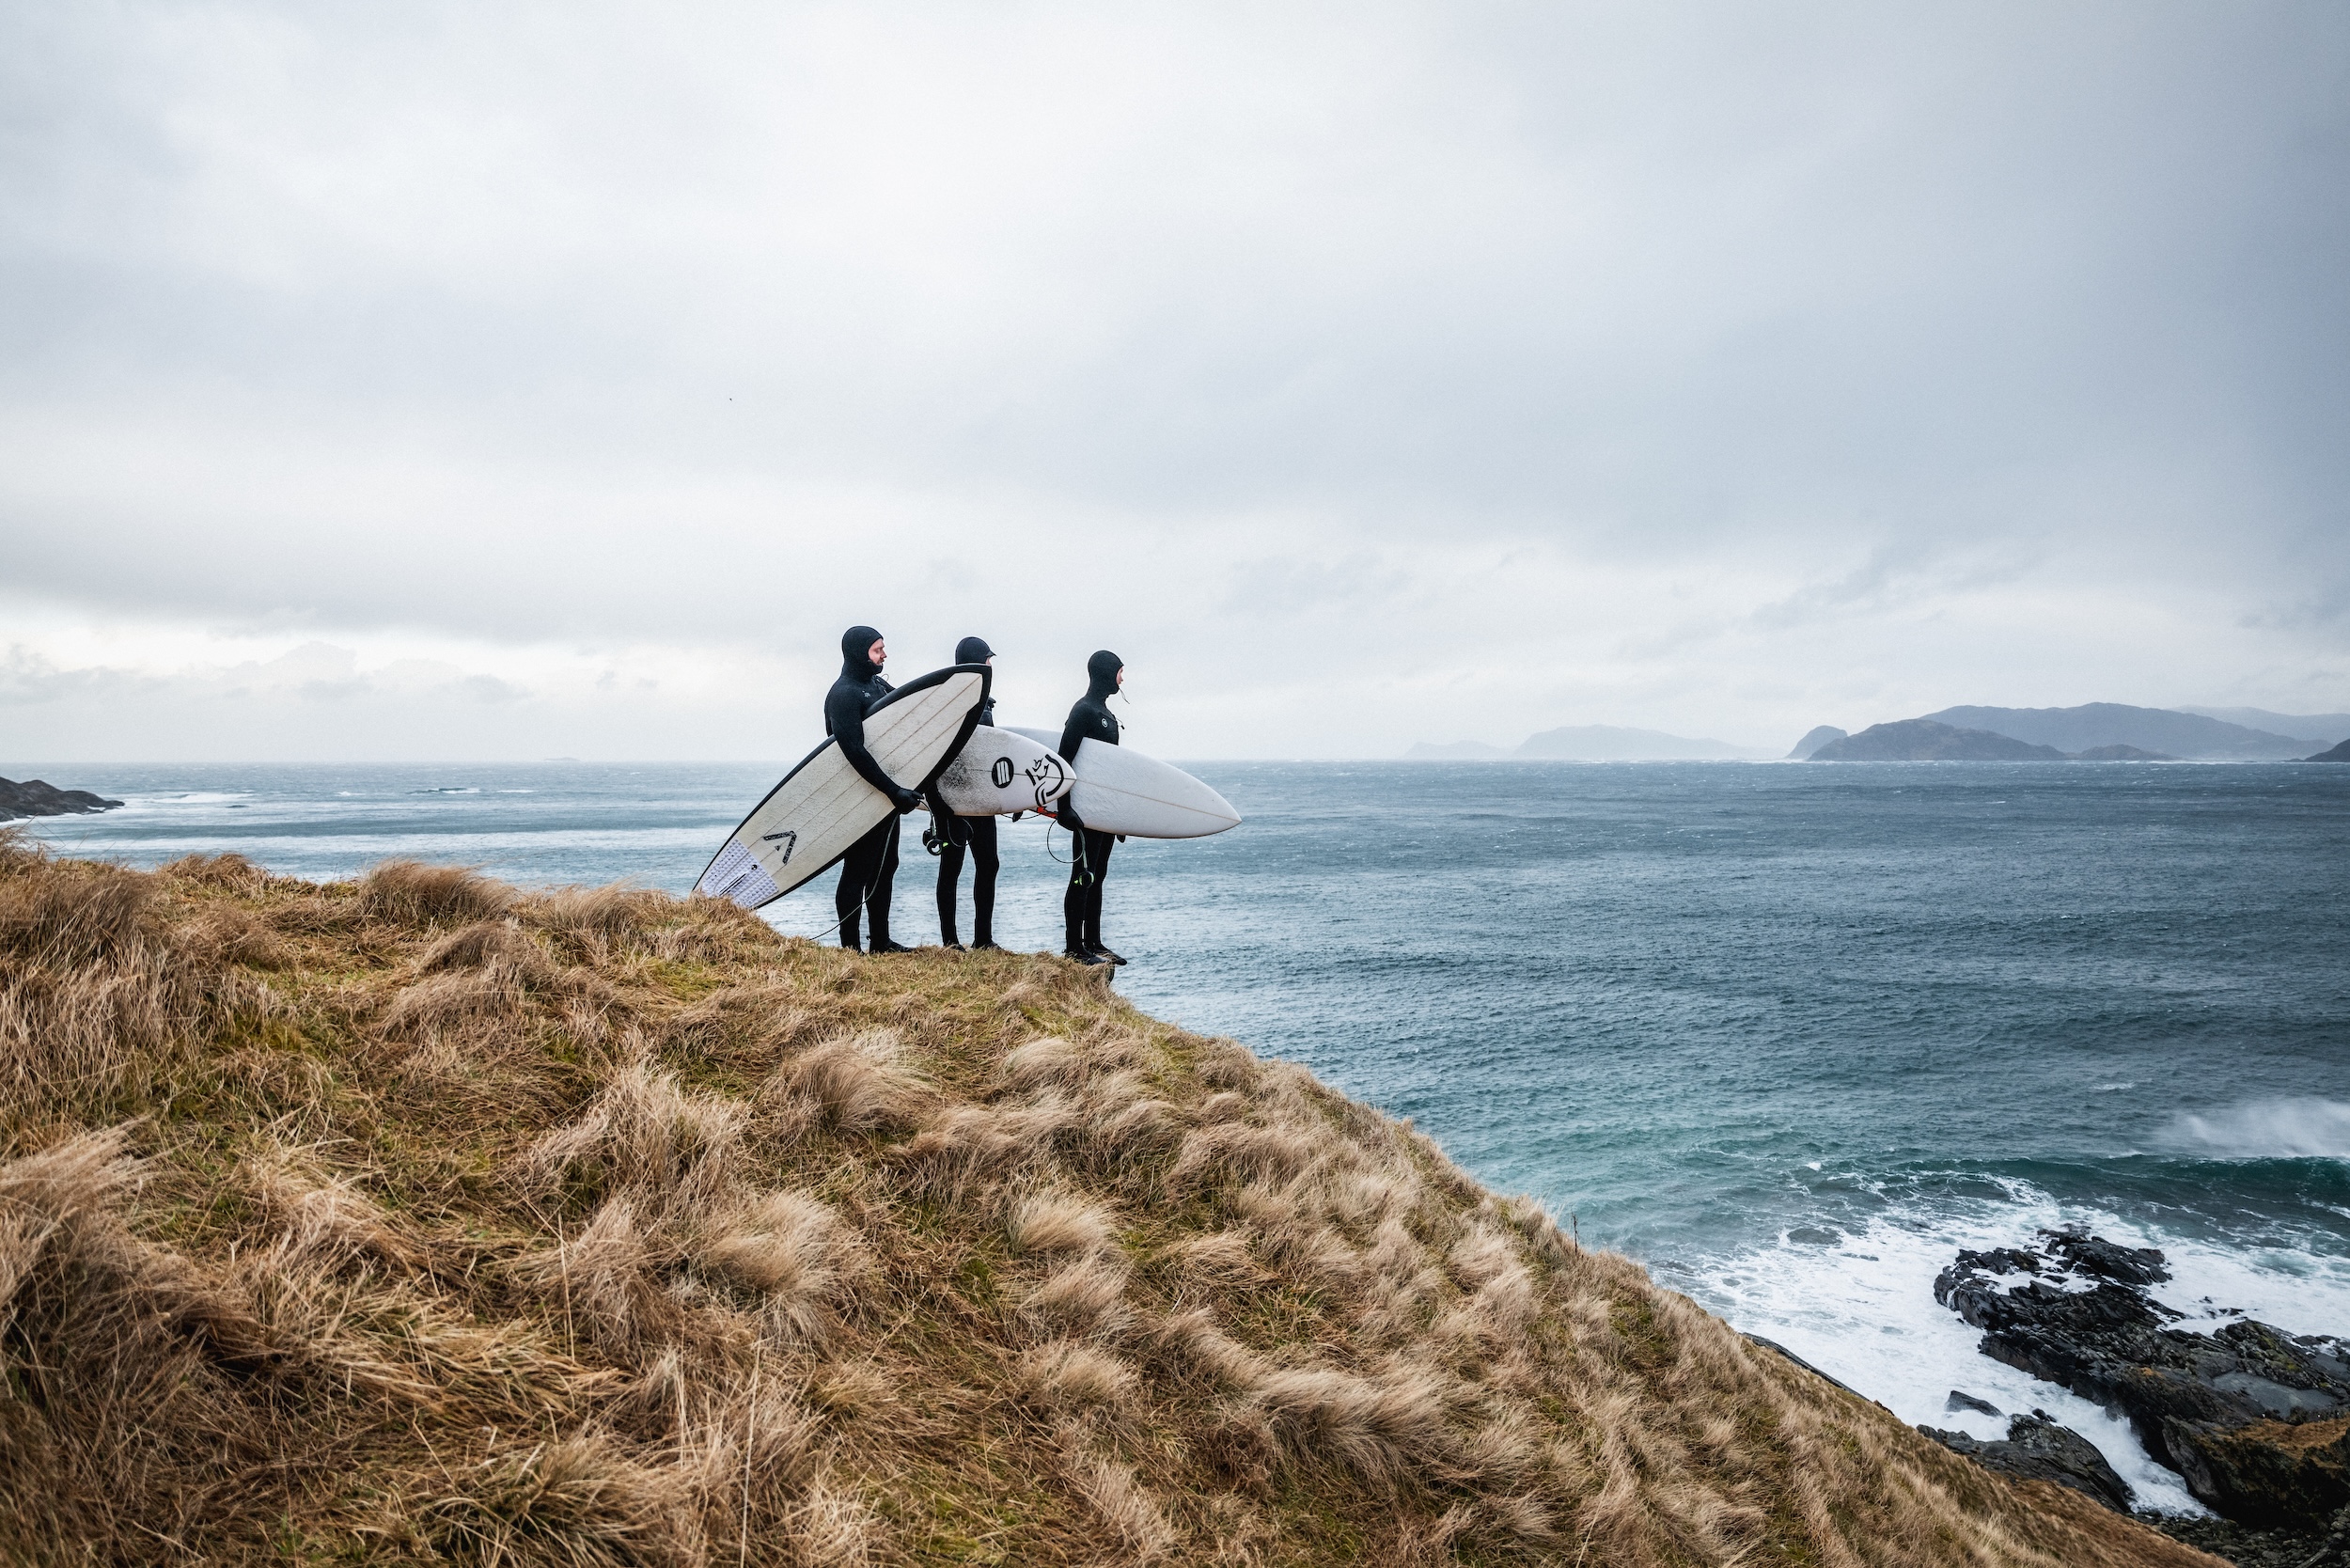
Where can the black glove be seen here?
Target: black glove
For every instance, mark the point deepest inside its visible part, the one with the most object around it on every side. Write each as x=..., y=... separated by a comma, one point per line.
x=905, y=801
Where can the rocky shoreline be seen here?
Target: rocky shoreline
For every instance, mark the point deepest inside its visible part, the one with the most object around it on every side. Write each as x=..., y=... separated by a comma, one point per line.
x=2256, y=1422
x=38, y=798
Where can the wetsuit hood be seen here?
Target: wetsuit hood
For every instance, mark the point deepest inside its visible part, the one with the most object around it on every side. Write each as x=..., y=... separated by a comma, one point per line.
x=1101, y=675
x=972, y=651
x=856, y=649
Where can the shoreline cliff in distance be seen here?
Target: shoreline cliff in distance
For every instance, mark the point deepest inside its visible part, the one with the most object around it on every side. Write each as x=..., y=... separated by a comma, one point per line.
x=36, y=797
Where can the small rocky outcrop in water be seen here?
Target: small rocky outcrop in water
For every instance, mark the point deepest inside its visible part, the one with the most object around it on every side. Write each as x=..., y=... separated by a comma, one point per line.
x=38, y=798
x=2036, y=1449
x=2256, y=1420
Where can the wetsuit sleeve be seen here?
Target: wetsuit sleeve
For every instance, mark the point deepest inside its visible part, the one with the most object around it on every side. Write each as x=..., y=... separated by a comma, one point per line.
x=1071, y=734
x=844, y=715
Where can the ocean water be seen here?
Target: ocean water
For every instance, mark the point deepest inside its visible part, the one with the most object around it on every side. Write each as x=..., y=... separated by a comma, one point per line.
x=1788, y=1034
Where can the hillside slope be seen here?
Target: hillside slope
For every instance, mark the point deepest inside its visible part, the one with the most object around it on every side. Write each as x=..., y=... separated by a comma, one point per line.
x=416, y=1220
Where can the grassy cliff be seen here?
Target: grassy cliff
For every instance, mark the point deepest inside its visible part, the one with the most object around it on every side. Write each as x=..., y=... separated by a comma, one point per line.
x=415, y=1220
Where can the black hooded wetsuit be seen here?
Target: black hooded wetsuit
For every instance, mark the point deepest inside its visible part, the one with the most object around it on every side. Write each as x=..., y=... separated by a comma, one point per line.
x=871, y=862
x=976, y=832
x=1090, y=719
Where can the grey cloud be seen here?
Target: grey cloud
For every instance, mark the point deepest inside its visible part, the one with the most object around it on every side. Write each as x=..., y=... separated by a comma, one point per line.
x=333, y=322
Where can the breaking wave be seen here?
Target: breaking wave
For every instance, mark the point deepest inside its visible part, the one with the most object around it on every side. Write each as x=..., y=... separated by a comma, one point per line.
x=2269, y=1130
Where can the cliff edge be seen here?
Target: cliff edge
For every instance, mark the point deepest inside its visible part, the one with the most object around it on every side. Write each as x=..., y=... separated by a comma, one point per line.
x=415, y=1220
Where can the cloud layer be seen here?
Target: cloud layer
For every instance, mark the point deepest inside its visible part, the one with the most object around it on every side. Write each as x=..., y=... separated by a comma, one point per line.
x=1360, y=374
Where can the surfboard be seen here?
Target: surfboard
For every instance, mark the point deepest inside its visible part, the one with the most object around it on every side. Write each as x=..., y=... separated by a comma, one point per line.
x=1119, y=789
x=809, y=822
x=999, y=771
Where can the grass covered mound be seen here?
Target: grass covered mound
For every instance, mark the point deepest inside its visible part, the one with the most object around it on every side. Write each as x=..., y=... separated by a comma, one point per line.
x=417, y=1219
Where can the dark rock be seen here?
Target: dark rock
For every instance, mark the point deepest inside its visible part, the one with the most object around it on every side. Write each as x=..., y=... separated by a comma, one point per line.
x=1958, y=1401
x=2256, y=1422
x=2036, y=1449
x=2259, y=1549
x=35, y=798
x=1925, y=740
x=2105, y=1259
x=2336, y=754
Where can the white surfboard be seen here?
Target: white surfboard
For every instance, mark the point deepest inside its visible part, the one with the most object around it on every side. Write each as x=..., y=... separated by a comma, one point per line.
x=821, y=807
x=999, y=770
x=1119, y=789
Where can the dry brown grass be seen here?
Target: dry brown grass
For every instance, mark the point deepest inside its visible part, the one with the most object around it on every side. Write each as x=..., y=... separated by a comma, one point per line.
x=421, y=1220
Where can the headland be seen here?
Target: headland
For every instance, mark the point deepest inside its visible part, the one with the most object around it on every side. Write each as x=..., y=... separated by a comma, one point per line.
x=417, y=1219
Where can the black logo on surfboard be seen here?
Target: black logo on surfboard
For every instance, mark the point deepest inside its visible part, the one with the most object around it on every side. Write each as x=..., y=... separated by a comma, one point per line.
x=1045, y=775
x=790, y=840
x=1001, y=772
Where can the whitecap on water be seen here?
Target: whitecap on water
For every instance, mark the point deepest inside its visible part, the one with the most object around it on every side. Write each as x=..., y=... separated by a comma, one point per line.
x=2282, y=1129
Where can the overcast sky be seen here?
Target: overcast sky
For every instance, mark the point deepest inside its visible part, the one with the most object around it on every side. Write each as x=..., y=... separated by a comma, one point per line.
x=451, y=381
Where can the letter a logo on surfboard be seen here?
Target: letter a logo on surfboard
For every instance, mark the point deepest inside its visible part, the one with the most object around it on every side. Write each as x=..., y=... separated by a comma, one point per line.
x=789, y=840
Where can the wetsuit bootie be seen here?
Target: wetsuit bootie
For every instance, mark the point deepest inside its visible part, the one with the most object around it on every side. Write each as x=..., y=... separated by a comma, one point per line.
x=887, y=946
x=985, y=946
x=1078, y=955
x=1104, y=954
x=951, y=944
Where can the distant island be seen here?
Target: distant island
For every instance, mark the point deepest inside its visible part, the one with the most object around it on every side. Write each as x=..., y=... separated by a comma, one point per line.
x=2339, y=754
x=1588, y=743
x=2320, y=729
x=1931, y=740
x=1813, y=739
x=1925, y=740
x=2091, y=732
x=38, y=798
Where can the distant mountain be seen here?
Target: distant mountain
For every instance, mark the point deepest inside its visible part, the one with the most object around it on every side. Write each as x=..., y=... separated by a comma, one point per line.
x=2158, y=729
x=1606, y=743
x=2339, y=754
x=2316, y=729
x=1454, y=751
x=1927, y=741
x=1813, y=739
x=2120, y=753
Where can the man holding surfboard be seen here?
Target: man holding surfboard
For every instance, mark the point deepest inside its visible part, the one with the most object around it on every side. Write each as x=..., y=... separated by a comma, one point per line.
x=1089, y=851
x=872, y=863
x=954, y=832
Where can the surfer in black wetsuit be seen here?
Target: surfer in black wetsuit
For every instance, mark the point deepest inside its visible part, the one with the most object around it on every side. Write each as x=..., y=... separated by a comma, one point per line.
x=866, y=871
x=1089, y=851
x=953, y=834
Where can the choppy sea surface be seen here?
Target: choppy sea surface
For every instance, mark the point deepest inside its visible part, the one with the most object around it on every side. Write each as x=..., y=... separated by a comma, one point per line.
x=1790, y=1034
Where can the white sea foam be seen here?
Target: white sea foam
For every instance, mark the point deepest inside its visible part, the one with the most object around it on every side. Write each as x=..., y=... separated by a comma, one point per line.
x=1863, y=1309
x=2268, y=1129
